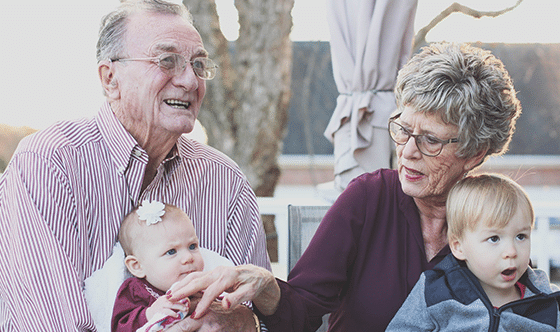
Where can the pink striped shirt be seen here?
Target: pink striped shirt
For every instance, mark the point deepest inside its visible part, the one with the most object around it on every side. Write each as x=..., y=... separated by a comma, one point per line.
x=62, y=199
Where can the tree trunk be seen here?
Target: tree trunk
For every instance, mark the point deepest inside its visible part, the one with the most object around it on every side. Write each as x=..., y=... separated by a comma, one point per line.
x=246, y=105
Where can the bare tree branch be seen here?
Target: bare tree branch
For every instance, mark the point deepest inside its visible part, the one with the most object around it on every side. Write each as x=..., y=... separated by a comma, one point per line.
x=420, y=37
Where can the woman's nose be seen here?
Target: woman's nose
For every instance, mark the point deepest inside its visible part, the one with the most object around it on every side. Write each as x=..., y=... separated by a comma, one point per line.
x=410, y=149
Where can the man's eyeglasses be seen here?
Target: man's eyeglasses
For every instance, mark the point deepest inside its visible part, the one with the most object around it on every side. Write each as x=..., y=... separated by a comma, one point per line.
x=428, y=145
x=175, y=64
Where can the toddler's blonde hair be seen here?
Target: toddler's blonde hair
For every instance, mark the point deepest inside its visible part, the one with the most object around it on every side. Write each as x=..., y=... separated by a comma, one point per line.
x=489, y=198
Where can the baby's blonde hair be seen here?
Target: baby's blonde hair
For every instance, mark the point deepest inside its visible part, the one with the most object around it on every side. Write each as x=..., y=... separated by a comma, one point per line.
x=489, y=198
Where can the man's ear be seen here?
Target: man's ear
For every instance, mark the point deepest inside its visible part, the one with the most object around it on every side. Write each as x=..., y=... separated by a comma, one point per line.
x=105, y=70
x=457, y=248
x=134, y=266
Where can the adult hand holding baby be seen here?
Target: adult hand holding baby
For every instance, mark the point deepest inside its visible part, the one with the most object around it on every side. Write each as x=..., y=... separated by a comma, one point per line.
x=218, y=319
x=241, y=283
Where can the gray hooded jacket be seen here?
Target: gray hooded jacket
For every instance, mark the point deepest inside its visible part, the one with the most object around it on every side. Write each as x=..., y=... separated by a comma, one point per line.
x=450, y=298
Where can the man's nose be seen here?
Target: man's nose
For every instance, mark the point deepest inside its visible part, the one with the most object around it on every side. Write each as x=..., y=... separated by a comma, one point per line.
x=186, y=78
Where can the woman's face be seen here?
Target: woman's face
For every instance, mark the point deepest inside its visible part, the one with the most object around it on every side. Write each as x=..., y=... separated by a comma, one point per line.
x=426, y=177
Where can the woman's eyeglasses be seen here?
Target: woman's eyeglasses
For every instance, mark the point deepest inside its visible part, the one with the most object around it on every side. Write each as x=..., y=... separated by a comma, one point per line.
x=428, y=145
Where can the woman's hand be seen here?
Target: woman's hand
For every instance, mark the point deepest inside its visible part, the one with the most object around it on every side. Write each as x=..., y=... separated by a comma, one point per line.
x=240, y=283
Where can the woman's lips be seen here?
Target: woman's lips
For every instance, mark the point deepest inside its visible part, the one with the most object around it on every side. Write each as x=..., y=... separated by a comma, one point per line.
x=412, y=174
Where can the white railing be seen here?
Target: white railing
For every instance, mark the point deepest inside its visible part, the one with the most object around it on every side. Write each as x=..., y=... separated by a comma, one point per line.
x=545, y=240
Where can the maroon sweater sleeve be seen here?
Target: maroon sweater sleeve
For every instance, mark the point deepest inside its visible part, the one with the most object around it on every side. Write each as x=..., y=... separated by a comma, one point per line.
x=129, y=311
x=321, y=273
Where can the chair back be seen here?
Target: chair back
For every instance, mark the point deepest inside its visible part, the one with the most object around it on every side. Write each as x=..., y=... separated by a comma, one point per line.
x=302, y=224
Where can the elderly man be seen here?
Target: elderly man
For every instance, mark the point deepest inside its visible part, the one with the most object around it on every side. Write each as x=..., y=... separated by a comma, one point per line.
x=68, y=187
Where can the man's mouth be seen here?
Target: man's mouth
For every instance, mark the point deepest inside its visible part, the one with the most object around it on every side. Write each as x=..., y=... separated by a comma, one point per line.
x=177, y=103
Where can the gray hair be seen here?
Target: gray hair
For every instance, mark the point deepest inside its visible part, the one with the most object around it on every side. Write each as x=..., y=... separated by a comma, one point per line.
x=111, y=41
x=467, y=87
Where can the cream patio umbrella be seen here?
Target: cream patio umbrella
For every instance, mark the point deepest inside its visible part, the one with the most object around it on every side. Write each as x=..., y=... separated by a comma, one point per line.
x=370, y=41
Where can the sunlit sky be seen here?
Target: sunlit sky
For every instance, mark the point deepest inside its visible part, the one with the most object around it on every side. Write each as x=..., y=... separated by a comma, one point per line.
x=48, y=61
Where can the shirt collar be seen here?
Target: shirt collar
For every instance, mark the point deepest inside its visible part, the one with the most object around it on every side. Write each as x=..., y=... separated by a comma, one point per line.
x=172, y=160
x=120, y=142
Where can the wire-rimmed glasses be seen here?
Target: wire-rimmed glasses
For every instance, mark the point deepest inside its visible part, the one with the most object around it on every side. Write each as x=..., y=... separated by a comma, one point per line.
x=175, y=64
x=428, y=145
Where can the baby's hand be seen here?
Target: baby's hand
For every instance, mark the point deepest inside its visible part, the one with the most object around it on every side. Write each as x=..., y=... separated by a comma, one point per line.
x=166, y=307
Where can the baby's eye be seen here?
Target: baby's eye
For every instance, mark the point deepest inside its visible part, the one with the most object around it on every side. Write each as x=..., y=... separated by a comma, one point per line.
x=193, y=246
x=171, y=252
x=494, y=239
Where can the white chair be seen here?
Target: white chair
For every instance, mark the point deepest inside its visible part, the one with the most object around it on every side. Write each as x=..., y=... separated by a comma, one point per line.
x=302, y=224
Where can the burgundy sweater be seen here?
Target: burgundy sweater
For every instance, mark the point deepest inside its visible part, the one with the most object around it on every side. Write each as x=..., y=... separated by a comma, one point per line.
x=363, y=261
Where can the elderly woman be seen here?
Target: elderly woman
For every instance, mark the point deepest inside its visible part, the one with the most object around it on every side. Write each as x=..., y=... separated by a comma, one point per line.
x=456, y=107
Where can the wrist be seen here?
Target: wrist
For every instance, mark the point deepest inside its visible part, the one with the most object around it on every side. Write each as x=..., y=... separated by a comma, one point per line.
x=268, y=299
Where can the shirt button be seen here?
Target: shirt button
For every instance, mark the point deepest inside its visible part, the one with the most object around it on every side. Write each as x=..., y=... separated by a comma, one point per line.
x=137, y=153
